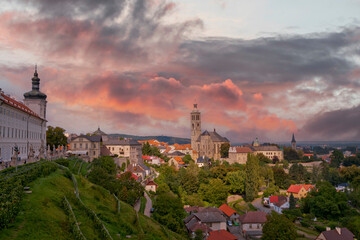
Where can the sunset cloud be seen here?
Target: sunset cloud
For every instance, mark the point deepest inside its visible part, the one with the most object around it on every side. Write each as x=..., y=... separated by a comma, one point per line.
x=124, y=66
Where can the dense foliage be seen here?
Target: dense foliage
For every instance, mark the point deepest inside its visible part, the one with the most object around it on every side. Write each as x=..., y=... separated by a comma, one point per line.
x=251, y=177
x=12, y=186
x=125, y=187
x=278, y=227
x=55, y=136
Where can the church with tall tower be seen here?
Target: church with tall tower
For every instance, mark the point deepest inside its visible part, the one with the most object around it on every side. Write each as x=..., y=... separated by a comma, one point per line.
x=207, y=143
x=23, y=124
x=293, y=142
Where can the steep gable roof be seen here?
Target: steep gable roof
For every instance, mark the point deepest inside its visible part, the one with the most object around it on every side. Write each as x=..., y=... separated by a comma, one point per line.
x=297, y=188
x=210, y=217
x=253, y=217
x=221, y=235
x=344, y=234
x=227, y=210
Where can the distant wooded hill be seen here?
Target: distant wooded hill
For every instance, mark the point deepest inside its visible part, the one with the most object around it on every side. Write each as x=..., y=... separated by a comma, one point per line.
x=168, y=139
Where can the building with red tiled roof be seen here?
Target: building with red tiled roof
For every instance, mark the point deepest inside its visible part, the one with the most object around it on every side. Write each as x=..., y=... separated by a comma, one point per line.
x=239, y=154
x=151, y=186
x=176, y=161
x=229, y=213
x=221, y=235
x=23, y=124
x=252, y=223
x=299, y=191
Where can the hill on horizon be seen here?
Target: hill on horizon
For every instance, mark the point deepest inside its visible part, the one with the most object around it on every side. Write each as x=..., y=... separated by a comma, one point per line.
x=168, y=139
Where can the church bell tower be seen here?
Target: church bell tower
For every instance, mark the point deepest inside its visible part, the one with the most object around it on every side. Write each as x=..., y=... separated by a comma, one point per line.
x=195, y=116
x=35, y=99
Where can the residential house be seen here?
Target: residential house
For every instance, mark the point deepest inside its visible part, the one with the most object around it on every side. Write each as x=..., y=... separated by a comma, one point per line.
x=139, y=170
x=336, y=234
x=271, y=152
x=299, y=191
x=252, y=223
x=153, y=160
x=177, y=162
x=125, y=148
x=202, y=161
x=154, y=143
x=277, y=203
x=221, y=235
x=229, y=213
x=133, y=176
x=192, y=223
x=342, y=187
x=210, y=216
x=86, y=146
x=151, y=186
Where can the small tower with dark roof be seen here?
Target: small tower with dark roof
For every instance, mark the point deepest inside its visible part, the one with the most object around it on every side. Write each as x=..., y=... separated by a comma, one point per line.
x=35, y=99
x=293, y=142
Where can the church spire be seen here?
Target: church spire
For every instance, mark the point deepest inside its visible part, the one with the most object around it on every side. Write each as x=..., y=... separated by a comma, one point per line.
x=35, y=89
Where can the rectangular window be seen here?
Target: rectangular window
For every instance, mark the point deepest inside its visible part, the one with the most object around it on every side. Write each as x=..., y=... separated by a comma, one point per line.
x=80, y=145
x=86, y=146
x=74, y=145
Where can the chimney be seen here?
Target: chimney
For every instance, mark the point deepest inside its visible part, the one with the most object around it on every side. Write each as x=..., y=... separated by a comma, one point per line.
x=338, y=230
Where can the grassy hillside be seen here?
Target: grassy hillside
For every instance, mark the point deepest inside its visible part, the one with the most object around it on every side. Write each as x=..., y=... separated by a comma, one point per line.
x=42, y=215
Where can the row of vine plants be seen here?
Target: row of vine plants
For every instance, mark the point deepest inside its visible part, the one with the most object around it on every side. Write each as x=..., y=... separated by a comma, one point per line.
x=12, y=188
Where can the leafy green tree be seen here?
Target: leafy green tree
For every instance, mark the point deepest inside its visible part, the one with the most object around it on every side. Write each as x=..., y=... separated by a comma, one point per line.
x=169, y=211
x=107, y=163
x=251, y=177
x=224, y=150
x=326, y=202
x=55, y=136
x=336, y=158
x=236, y=181
x=271, y=190
x=215, y=192
x=278, y=227
x=187, y=159
x=263, y=159
x=292, y=202
x=281, y=177
x=199, y=235
x=290, y=154
x=298, y=173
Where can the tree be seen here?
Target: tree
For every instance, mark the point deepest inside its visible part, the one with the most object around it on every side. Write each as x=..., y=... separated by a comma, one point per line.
x=169, y=211
x=252, y=177
x=224, y=150
x=292, y=202
x=298, y=172
x=290, y=154
x=336, y=158
x=215, y=192
x=236, y=181
x=55, y=136
x=281, y=178
x=278, y=227
x=187, y=159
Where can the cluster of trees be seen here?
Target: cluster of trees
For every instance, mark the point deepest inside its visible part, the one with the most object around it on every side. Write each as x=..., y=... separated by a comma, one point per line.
x=55, y=136
x=125, y=187
x=149, y=150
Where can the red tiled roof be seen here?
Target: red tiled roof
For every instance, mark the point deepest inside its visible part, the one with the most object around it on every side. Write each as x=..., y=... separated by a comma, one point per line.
x=243, y=150
x=221, y=235
x=253, y=217
x=179, y=160
x=297, y=188
x=12, y=102
x=151, y=183
x=132, y=175
x=276, y=199
x=227, y=210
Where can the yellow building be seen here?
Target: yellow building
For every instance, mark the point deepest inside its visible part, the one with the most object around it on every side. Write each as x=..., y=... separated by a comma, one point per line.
x=299, y=191
x=85, y=145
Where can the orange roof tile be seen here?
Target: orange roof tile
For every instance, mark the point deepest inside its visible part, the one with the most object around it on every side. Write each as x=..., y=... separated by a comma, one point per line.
x=227, y=210
x=221, y=235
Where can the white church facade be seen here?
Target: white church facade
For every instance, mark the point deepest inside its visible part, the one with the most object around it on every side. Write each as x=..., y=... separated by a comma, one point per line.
x=23, y=124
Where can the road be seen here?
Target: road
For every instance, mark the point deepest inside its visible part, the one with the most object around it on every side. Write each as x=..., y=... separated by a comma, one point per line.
x=258, y=204
x=148, y=205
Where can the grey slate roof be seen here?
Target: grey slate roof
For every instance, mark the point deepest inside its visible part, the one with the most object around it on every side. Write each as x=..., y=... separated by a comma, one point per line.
x=210, y=217
x=202, y=159
x=215, y=137
x=93, y=138
x=266, y=148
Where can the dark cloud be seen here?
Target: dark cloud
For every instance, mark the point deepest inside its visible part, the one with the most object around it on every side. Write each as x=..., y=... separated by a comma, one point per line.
x=276, y=59
x=340, y=124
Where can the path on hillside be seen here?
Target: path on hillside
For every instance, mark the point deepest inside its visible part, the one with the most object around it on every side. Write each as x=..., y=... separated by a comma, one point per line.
x=148, y=205
x=258, y=204
x=137, y=205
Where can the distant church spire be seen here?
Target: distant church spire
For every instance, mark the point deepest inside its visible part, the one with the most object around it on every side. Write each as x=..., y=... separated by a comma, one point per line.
x=293, y=142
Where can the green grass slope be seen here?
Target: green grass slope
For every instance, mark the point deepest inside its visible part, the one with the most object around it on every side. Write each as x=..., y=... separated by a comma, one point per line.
x=42, y=215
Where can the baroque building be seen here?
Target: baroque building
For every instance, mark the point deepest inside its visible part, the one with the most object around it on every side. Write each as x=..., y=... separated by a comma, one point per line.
x=207, y=143
x=23, y=124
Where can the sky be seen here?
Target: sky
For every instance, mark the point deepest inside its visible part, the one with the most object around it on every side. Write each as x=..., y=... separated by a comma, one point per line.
x=264, y=68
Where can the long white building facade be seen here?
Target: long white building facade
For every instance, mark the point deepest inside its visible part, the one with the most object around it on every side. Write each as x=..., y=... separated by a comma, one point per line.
x=23, y=123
